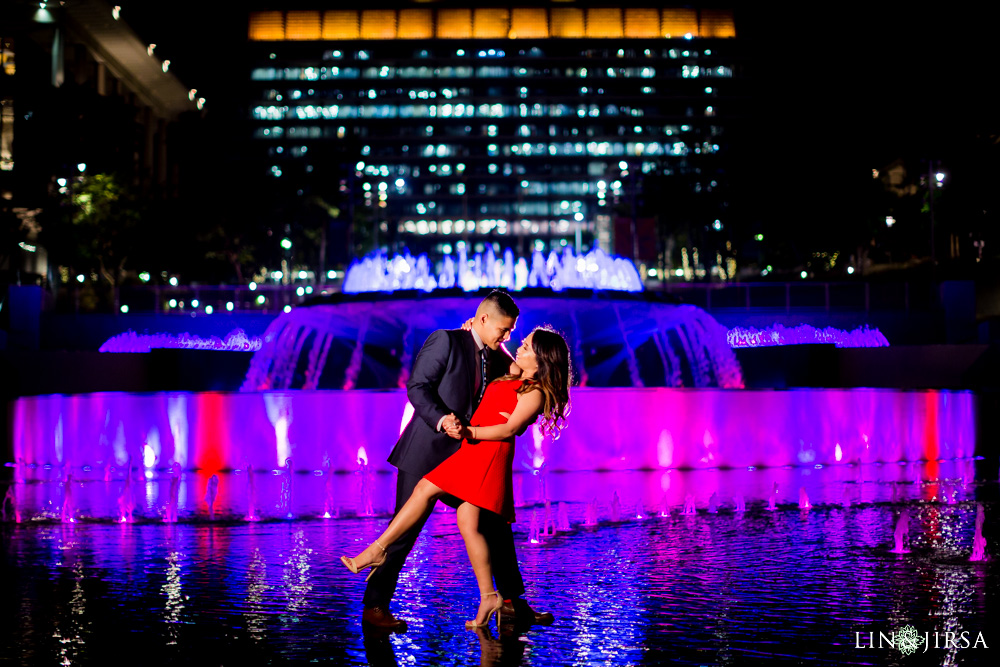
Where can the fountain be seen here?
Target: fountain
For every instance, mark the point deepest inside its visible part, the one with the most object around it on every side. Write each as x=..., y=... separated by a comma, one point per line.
x=170, y=514
x=211, y=492
x=562, y=519
x=10, y=497
x=534, y=532
x=803, y=499
x=618, y=337
x=845, y=499
x=126, y=502
x=978, y=541
x=67, y=513
x=713, y=503
x=741, y=505
x=330, y=508
x=616, y=508
x=367, y=494
x=590, y=516
x=251, y=496
x=664, y=506
x=772, y=500
x=549, y=529
x=689, y=509
x=286, y=489
x=901, y=534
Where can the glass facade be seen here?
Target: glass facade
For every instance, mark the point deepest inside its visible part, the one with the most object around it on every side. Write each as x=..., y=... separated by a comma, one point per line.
x=519, y=127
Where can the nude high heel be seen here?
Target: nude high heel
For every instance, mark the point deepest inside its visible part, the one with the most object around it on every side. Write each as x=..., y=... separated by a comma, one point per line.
x=352, y=566
x=472, y=625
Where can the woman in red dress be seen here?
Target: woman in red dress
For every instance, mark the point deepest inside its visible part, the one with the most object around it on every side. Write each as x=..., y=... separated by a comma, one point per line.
x=479, y=473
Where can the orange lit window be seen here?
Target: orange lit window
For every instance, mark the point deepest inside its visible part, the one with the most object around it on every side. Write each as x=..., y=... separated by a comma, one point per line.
x=642, y=23
x=491, y=23
x=567, y=22
x=528, y=23
x=302, y=25
x=604, y=22
x=378, y=24
x=679, y=22
x=415, y=24
x=717, y=23
x=454, y=23
x=266, y=26
x=340, y=24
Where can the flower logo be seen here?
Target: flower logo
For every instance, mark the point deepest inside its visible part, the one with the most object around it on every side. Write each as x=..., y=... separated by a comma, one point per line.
x=908, y=640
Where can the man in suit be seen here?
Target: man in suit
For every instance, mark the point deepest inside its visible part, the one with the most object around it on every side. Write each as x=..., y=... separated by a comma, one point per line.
x=449, y=377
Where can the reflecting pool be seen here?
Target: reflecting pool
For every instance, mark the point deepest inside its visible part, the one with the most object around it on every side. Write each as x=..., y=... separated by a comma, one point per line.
x=630, y=578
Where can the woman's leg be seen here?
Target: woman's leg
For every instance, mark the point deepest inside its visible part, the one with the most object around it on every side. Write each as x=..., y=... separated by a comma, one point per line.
x=479, y=556
x=413, y=510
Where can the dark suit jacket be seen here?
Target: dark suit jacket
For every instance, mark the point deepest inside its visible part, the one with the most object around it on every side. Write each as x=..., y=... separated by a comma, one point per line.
x=443, y=381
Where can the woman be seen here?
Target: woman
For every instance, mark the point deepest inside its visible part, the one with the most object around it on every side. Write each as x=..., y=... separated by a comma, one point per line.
x=479, y=473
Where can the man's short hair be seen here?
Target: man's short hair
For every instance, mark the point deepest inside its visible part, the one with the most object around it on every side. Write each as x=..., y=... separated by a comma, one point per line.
x=502, y=303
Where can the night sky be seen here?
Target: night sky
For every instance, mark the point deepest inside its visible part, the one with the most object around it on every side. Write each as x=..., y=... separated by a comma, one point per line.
x=833, y=92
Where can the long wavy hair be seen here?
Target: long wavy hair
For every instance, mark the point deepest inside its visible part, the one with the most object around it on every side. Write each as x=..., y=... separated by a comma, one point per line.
x=552, y=379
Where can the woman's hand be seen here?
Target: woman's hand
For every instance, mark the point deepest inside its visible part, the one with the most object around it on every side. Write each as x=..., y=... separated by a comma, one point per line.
x=467, y=325
x=456, y=430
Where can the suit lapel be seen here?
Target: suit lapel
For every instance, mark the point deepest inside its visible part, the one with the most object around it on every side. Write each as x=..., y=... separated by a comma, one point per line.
x=471, y=363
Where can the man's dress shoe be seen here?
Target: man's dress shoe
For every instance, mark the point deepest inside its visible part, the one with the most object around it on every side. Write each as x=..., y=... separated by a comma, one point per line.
x=518, y=611
x=382, y=618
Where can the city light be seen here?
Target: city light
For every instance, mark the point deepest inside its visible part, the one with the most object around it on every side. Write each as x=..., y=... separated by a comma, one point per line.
x=759, y=237
x=804, y=275
x=80, y=278
x=172, y=303
x=194, y=303
x=303, y=275
x=287, y=309
x=850, y=270
x=230, y=305
x=62, y=182
x=173, y=281
x=252, y=286
x=208, y=310
x=144, y=276
x=889, y=221
x=124, y=308
x=260, y=300
x=286, y=243
x=939, y=176
x=331, y=274
x=717, y=225
x=81, y=167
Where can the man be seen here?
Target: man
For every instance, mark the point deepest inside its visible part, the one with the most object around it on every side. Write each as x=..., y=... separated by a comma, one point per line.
x=449, y=376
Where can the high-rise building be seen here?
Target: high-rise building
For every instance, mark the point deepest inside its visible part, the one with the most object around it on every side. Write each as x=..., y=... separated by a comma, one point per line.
x=432, y=124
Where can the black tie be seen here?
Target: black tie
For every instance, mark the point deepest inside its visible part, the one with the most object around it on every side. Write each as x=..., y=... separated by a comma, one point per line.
x=483, y=356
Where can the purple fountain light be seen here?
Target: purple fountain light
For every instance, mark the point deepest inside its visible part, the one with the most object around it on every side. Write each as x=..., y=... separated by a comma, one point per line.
x=558, y=271
x=211, y=492
x=130, y=341
x=863, y=336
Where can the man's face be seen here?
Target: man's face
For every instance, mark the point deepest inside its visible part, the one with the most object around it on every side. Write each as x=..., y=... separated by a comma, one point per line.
x=495, y=329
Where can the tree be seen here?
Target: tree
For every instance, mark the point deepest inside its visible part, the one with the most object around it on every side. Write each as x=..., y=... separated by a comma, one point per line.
x=100, y=230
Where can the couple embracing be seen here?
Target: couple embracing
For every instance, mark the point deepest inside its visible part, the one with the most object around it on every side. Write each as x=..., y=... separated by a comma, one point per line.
x=470, y=399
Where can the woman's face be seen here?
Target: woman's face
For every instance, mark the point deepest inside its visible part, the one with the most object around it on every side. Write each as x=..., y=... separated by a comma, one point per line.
x=525, y=357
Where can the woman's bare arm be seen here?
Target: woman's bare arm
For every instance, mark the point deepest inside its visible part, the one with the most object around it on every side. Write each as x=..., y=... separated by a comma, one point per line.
x=529, y=406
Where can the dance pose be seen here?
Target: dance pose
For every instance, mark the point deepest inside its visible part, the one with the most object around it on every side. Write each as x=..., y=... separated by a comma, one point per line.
x=479, y=473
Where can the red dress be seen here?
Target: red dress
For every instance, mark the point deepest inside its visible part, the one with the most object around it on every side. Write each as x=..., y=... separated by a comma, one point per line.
x=481, y=472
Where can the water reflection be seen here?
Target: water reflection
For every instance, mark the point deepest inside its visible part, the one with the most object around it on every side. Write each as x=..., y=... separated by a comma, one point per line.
x=723, y=588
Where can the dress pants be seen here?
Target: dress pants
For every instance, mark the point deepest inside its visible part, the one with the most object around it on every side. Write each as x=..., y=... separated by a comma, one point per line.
x=497, y=532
